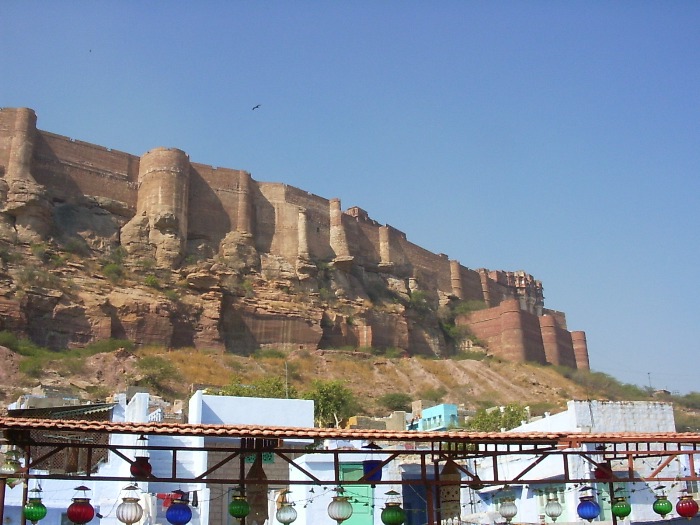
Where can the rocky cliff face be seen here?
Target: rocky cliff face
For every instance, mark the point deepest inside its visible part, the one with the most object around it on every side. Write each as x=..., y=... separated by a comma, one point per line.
x=158, y=250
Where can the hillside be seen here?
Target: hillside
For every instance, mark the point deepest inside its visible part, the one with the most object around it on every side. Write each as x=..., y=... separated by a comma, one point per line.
x=474, y=383
x=174, y=374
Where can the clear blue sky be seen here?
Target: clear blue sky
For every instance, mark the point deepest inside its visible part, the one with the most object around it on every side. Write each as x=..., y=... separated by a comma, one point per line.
x=559, y=138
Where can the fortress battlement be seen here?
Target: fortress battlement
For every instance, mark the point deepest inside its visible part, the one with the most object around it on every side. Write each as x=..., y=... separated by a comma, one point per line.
x=176, y=208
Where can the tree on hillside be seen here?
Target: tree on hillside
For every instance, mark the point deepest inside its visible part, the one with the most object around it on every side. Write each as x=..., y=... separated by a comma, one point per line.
x=493, y=420
x=333, y=402
x=273, y=387
x=396, y=401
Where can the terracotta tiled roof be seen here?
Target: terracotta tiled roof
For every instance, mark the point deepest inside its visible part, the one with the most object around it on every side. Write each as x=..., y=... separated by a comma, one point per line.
x=269, y=432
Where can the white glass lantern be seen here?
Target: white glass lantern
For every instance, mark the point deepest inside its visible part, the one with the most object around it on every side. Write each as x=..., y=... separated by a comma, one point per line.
x=129, y=510
x=553, y=508
x=508, y=510
x=286, y=513
x=340, y=508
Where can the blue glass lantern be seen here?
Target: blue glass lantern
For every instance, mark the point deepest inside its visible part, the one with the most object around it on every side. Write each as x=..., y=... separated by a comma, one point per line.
x=588, y=509
x=179, y=512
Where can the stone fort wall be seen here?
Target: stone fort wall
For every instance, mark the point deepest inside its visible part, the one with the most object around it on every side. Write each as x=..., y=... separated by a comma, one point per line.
x=181, y=207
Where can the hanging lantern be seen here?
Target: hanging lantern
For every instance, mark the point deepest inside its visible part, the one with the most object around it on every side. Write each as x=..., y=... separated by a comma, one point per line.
x=393, y=514
x=553, y=508
x=687, y=507
x=141, y=468
x=507, y=509
x=286, y=513
x=129, y=510
x=449, y=494
x=662, y=506
x=179, y=512
x=239, y=507
x=372, y=466
x=621, y=508
x=340, y=508
x=602, y=472
x=11, y=464
x=34, y=510
x=81, y=511
x=588, y=509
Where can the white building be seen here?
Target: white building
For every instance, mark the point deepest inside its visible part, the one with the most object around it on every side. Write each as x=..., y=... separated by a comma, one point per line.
x=203, y=409
x=581, y=416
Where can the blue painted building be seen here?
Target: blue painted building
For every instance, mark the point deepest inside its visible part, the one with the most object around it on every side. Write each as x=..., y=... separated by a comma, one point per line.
x=438, y=417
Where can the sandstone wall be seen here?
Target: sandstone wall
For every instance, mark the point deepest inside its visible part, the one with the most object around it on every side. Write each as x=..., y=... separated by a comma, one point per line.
x=510, y=332
x=214, y=202
x=71, y=168
x=558, y=345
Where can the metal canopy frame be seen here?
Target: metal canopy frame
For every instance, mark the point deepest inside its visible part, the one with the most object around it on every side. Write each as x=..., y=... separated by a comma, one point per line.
x=41, y=439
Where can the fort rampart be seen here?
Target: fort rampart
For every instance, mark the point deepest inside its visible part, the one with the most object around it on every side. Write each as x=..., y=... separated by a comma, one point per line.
x=171, y=208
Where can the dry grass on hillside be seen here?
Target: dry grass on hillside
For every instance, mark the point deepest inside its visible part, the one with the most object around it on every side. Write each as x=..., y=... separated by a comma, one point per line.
x=472, y=383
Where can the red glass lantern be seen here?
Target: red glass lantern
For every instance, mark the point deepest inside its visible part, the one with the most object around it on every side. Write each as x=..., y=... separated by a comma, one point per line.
x=602, y=472
x=141, y=468
x=687, y=507
x=81, y=511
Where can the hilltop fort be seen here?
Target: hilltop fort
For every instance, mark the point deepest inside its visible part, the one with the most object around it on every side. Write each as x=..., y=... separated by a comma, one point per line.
x=249, y=264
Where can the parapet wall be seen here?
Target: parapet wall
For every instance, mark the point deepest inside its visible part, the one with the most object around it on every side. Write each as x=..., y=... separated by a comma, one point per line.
x=518, y=335
x=171, y=207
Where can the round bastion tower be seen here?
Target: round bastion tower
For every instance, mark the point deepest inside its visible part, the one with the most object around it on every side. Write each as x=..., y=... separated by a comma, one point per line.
x=159, y=228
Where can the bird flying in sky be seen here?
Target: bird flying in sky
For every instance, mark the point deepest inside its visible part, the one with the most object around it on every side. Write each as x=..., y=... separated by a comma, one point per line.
x=256, y=107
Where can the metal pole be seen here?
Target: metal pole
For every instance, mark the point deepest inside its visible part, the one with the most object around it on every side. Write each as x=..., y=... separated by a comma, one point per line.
x=3, y=484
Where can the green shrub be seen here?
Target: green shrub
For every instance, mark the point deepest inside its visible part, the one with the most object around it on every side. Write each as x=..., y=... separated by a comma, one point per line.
x=600, y=384
x=108, y=345
x=390, y=352
x=77, y=246
x=494, y=420
x=27, y=348
x=419, y=302
x=269, y=353
x=9, y=340
x=472, y=355
x=152, y=281
x=691, y=400
x=113, y=271
x=8, y=254
x=32, y=366
x=468, y=306
x=433, y=394
x=146, y=264
x=33, y=276
x=326, y=295
x=172, y=295
x=396, y=401
x=157, y=371
x=116, y=255
x=40, y=251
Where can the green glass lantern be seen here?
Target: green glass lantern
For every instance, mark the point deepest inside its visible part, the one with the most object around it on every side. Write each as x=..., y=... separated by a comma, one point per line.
x=662, y=506
x=393, y=514
x=239, y=507
x=621, y=508
x=34, y=510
